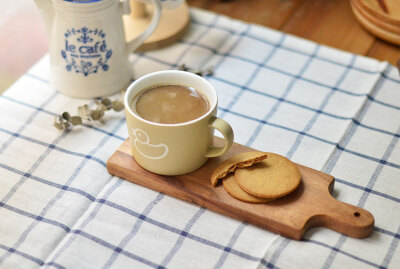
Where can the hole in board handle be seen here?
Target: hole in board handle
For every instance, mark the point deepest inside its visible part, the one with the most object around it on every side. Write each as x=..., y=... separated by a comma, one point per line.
x=356, y=214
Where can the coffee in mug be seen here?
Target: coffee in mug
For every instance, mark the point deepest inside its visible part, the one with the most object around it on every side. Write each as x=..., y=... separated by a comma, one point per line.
x=170, y=104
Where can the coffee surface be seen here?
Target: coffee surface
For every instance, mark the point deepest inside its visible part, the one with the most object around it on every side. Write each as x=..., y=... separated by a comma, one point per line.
x=170, y=104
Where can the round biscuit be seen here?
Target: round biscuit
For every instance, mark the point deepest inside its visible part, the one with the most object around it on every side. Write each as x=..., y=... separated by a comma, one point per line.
x=273, y=177
x=235, y=191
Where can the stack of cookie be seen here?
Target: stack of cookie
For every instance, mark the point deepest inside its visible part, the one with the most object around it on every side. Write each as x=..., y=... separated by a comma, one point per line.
x=257, y=177
x=381, y=18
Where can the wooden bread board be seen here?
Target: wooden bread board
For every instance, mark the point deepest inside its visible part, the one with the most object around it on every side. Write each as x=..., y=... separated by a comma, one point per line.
x=310, y=205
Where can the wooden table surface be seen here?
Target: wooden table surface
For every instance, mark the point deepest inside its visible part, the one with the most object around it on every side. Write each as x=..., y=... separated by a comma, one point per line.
x=329, y=22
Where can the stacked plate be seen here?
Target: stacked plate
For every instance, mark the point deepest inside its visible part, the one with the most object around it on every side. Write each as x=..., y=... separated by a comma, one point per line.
x=380, y=17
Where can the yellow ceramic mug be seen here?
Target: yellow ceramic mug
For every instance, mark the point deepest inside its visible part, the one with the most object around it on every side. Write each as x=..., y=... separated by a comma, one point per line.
x=175, y=149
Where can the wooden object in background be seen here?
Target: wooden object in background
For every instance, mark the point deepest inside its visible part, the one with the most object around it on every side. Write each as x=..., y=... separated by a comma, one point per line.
x=385, y=10
x=388, y=29
x=173, y=25
x=309, y=205
x=355, y=4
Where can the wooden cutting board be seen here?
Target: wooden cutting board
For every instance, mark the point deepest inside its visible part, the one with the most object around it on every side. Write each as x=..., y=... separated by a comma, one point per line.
x=309, y=206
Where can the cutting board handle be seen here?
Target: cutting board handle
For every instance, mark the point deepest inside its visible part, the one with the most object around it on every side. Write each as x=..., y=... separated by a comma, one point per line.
x=343, y=218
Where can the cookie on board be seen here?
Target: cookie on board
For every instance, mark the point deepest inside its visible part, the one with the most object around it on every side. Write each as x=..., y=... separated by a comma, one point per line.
x=240, y=160
x=273, y=177
x=235, y=191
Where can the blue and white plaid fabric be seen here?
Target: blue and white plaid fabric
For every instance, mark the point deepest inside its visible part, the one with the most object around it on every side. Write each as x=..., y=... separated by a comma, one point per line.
x=327, y=109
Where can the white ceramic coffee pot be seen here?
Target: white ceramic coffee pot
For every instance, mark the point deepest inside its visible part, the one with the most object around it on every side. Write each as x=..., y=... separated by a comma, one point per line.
x=88, y=51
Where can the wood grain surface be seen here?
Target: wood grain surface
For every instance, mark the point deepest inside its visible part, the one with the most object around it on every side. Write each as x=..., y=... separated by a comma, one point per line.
x=329, y=22
x=310, y=205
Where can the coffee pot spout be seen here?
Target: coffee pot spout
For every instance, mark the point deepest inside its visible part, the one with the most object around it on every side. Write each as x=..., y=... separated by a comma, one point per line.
x=47, y=10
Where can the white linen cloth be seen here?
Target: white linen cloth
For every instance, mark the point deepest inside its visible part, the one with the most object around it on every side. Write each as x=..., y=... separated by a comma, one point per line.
x=324, y=108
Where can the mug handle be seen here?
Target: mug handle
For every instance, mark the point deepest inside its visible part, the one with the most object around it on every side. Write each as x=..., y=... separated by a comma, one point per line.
x=226, y=130
x=137, y=41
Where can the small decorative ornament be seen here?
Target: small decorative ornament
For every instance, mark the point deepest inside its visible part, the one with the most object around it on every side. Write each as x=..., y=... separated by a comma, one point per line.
x=87, y=114
x=209, y=71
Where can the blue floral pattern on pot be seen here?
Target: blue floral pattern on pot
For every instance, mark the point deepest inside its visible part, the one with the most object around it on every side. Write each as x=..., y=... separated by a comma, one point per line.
x=86, y=51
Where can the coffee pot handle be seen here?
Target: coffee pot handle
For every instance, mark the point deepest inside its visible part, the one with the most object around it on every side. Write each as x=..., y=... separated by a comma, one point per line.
x=137, y=41
x=226, y=130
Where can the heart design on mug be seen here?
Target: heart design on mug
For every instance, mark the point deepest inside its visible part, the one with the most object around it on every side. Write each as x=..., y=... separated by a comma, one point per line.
x=147, y=150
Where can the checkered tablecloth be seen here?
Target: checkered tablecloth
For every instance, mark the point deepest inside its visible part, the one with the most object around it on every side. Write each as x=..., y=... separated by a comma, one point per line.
x=321, y=107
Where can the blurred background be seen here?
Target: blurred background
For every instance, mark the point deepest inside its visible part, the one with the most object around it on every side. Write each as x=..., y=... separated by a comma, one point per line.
x=23, y=39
